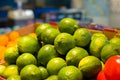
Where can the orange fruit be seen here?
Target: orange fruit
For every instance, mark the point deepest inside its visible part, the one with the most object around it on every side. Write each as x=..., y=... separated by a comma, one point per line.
x=13, y=35
x=4, y=40
x=2, y=51
x=33, y=35
x=11, y=43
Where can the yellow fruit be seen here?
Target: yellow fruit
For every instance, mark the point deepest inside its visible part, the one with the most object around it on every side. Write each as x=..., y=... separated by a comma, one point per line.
x=28, y=44
x=44, y=72
x=67, y=25
x=63, y=43
x=75, y=55
x=14, y=77
x=11, y=55
x=82, y=37
x=58, y=64
x=25, y=59
x=70, y=73
x=2, y=68
x=46, y=53
x=90, y=66
x=10, y=70
x=49, y=35
x=30, y=72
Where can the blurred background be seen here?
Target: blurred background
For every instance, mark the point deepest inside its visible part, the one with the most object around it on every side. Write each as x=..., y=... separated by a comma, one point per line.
x=17, y=13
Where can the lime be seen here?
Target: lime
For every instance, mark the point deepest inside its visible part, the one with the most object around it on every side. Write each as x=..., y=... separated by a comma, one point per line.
x=40, y=28
x=75, y=55
x=30, y=72
x=52, y=77
x=44, y=72
x=97, y=44
x=115, y=40
x=28, y=44
x=82, y=37
x=63, y=43
x=10, y=70
x=90, y=66
x=46, y=53
x=14, y=77
x=70, y=73
x=68, y=25
x=58, y=63
x=109, y=50
x=2, y=68
x=25, y=59
x=11, y=55
x=98, y=34
x=49, y=35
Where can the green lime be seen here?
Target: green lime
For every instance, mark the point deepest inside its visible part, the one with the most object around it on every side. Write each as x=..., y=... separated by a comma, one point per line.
x=25, y=59
x=115, y=40
x=10, y=70
x=40, y=28
x=11, y=55
x=68, y=25
x=46, y=53
x=49, y=35
x=98, y=34
x=90, y=66
x=97, y=44
x=109, y=50
x=82, y=37
x=52, y=77
x=63, y=43
x=44, y=72
x=58, y=63
x=70, y=73
x=28, y=44
x=75, y=55
x=14, y=77
x=30, y=72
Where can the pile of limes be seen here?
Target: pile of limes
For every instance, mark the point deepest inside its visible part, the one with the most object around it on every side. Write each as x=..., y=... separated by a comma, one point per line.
x=66, y=53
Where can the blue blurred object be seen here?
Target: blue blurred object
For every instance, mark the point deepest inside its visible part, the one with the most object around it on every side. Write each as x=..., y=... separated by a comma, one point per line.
x=8, y=3
x=3, y=14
